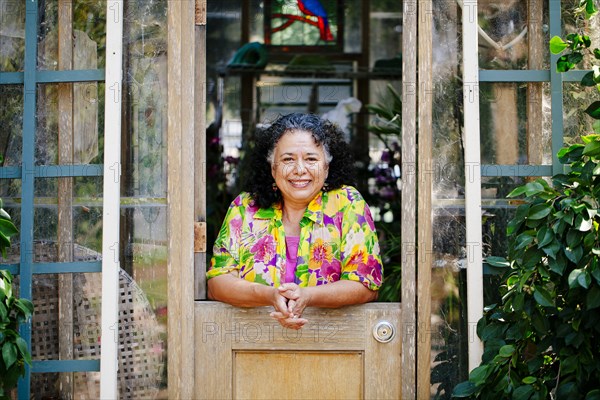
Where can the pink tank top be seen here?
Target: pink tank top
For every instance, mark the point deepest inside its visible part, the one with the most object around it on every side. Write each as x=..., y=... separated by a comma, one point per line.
x=291, y=255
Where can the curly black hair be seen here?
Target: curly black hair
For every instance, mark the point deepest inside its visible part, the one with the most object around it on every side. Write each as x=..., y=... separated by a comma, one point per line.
x=259, y=181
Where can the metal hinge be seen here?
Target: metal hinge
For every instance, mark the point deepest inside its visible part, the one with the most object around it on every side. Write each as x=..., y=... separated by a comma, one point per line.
x=199, y=237
x=200, y=12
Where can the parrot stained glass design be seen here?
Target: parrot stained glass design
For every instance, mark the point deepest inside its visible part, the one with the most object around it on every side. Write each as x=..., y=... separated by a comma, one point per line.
x=315, y=8
x=303, y=23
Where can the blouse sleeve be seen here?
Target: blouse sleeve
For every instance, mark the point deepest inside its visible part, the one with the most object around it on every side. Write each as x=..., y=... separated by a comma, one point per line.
x=225, y=257
x=361, y=261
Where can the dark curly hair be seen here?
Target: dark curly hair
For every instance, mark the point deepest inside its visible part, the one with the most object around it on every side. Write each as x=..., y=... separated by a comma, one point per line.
x=259, y=181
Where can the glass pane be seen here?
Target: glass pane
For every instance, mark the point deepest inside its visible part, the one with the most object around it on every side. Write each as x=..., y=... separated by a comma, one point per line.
x=450, y=329
x=11, y=121
x=83, y=236
x=12, y=35
x=353, y=26
x=144, y=245
x=572, y=23
x=85, y=128
x=504, y=36
x=13, y=207
x=576, y=121
x=504, y=123
x=497, y=212
x=386, y=27
x=87, y=37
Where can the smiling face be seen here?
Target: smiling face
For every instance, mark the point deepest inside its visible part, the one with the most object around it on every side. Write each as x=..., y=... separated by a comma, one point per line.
x=299, y=167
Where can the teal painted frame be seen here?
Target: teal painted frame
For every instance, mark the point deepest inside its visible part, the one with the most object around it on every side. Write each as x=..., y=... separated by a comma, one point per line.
x=28, y=172
x=556, y=80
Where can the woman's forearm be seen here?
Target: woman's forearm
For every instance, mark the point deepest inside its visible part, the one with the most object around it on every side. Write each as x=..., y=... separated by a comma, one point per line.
x=240, y=292
x=339, y=294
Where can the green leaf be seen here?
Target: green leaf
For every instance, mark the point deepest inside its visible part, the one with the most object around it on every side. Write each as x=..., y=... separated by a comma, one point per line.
x=590, y=9
x=573, y=238
x=539, y=211
x=9, y=354
x=523, y=240
x=531, y=257
x=557, y=45
x=592, y=298
x=588, y=79
x=595, y=270
x=497, y=261
x=7, y=228
x=528, y=380
x=574, y=58
x=557, y=264
x=563, y=65
x=523, y=392
x=4, y=214
x=594, y=110
x=479, y=375
x=22, y=346
x=584, y=279
x=552, y=249
x=544, y=236
x=543, y=297
x=464, y=389
x=506, y=351
x=592, y=149
x=582, y=224
x=574, y=255
x=573, y=278
x=593, y=395
x=25, y=306
x=571, y=153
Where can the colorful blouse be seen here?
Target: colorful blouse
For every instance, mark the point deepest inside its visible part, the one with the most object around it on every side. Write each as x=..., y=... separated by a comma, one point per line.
x=337, y=241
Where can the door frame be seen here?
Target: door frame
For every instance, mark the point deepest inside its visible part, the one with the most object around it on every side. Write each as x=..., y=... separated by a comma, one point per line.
x=187, y=259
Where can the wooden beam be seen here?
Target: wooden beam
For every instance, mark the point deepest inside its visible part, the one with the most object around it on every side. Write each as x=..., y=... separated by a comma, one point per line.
x=200, y=147
x=180, y=201
x=424, y=217
x=535, y=41
x=65, y=194
x=409, y=160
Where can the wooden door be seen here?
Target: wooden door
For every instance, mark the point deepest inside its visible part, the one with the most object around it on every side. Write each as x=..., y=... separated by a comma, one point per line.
x=243, y=353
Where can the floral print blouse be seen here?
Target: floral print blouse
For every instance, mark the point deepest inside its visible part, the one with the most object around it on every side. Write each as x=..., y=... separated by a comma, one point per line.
x=337, y=241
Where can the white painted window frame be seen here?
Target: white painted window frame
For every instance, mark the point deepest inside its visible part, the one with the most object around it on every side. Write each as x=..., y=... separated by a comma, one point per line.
x=111, y=201
x=473, y=208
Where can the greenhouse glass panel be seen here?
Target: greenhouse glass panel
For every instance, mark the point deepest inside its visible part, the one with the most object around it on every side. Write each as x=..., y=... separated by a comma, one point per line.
x=12, y=35
x=11, y=120
x=88, y=33
x=450, y=331
x=504, y=123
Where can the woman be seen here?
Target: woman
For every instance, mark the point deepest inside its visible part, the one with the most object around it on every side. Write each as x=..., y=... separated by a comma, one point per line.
x=298, y=236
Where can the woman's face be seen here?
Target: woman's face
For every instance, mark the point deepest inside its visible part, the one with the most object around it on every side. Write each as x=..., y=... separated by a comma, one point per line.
x=299, y=167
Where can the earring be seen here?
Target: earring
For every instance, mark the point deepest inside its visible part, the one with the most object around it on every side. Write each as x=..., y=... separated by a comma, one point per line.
x=325, y=187
x=274, y=187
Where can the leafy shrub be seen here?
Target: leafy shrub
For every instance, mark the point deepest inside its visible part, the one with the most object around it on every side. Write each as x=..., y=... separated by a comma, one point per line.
x=13, y=311
x=544, y=339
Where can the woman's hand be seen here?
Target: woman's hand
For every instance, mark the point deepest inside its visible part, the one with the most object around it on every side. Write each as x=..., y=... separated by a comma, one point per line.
x=297, y=300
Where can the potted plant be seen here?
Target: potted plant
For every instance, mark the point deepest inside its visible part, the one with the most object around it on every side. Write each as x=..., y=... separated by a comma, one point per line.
x=13, y=311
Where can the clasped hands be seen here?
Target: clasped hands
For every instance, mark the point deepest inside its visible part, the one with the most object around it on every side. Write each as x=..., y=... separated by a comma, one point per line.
x=290, y=300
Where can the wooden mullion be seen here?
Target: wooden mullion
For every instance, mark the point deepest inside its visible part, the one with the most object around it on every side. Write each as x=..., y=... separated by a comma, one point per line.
x=65, y=194
x=424, y=217
x=409, y=149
